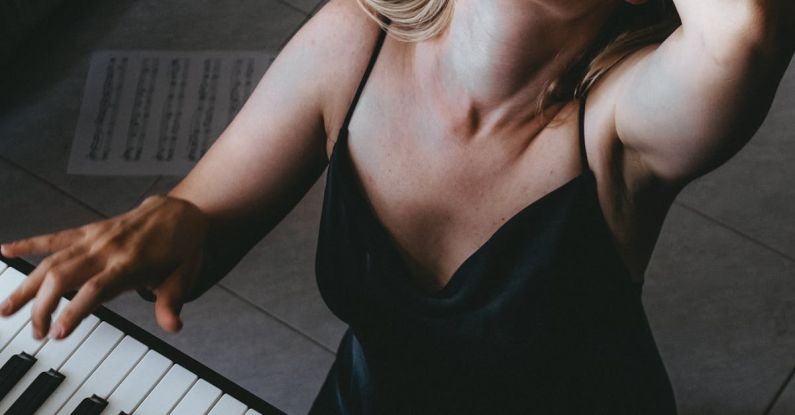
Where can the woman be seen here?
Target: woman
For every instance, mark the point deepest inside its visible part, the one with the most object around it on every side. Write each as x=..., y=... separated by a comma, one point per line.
x=484, y=231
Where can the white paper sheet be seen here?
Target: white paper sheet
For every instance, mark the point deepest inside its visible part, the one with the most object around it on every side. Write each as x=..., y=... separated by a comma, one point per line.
x=157, y=112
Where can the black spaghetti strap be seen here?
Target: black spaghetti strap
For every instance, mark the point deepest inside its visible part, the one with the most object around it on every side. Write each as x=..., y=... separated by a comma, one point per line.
x=363, y=82
x=581, y=122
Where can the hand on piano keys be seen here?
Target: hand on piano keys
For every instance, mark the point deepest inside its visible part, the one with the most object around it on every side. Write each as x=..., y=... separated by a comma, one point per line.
x=106, y=366
x=159, y=245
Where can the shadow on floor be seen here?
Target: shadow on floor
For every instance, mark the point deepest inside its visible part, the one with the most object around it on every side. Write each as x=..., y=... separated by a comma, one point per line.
x=54, y=43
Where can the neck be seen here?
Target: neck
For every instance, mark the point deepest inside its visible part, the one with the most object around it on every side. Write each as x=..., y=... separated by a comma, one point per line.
x=495, y=57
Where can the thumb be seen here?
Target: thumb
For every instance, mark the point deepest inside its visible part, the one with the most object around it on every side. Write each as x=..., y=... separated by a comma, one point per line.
x=169, y=303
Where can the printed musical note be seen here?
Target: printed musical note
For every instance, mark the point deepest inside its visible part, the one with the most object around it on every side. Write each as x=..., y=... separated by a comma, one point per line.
x=158, y=112
x=105, y=121
x=142, y=109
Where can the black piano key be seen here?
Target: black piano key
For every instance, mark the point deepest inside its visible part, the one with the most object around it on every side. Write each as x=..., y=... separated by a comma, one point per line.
x=38, y=392
x=151, y=341
x=13, y=370
x=91, y=406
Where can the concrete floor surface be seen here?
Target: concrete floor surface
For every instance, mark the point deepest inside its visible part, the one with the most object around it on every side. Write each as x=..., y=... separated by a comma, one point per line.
x=720, y=291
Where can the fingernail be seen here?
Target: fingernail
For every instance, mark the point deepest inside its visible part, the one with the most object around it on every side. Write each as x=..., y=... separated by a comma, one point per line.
x=56, y=332
x=5, y=309
x=38, y=334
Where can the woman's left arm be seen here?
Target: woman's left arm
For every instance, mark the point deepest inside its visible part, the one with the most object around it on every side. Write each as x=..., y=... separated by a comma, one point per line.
x=690, y=104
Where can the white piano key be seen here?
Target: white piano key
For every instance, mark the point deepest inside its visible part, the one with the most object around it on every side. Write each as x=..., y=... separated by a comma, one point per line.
x=10, y=326
x=228, y=405
x=109, y=374
x=81, y=364
x=134, y=388
x=13, y=325
x=116, y=367
x=51, y=356
x=168, y=392
x=199, y=399
x=24, y=341
x=9, y=281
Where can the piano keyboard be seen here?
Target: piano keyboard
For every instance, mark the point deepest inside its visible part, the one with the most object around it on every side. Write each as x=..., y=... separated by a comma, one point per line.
x=107, y=366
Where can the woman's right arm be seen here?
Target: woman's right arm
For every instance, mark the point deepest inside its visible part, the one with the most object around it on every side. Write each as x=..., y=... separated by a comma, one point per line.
x=259, y=168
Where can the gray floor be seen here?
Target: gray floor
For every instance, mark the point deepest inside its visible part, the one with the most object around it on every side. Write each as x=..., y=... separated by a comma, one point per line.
x=721, y=285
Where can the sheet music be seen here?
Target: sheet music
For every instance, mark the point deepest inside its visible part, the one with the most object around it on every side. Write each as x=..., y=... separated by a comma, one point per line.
x=157, y=112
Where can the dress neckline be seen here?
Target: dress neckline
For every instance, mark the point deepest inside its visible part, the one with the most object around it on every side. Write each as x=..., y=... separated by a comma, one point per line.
x=455, y=279
x=586, y=175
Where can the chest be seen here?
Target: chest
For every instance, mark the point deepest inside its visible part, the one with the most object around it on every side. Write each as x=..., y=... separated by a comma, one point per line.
x=441, y=195
x=441, y=182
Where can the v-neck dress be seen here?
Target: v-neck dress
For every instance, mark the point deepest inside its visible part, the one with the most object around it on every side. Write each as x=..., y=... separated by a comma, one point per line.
x=543, y=318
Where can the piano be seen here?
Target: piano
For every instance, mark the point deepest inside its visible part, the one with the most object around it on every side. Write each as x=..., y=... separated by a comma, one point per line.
x=107, y=366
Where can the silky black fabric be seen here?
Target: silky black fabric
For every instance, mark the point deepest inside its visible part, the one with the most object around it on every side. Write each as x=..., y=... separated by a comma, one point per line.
x=542, y=319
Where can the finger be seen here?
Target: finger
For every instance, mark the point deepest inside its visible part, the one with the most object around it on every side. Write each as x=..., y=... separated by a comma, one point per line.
x=30, y=286
x=21, y=295
x=104, y=286
x=192, y=284
x=43, y=244
x=170, y=298
x=58, y=280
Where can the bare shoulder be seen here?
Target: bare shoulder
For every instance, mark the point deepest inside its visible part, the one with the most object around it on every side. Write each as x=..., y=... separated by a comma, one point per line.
x=616, y=160
x=339, y=39
x=633, y=200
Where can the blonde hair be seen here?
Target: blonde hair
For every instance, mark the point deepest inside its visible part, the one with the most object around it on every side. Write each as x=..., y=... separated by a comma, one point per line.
x=628, y=30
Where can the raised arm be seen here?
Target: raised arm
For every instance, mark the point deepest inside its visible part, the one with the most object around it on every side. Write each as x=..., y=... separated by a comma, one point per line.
x=275, y=149
x=690, y=104
x=258, y=169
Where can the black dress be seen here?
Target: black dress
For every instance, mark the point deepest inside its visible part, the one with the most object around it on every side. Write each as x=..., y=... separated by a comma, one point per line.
x=542, y=319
